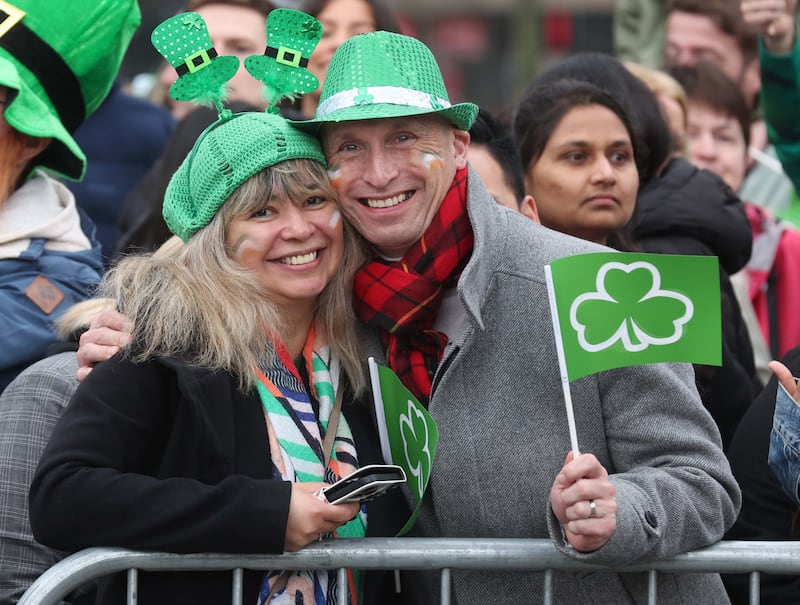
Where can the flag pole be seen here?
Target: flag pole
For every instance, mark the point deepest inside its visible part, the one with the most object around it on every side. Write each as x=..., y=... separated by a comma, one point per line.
x=380, y=415
x=562, y=363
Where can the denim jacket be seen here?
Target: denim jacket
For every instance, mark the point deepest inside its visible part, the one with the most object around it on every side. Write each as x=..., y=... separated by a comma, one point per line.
x=784, y=444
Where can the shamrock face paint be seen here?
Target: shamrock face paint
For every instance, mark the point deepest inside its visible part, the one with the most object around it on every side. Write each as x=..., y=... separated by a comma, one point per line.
x=294, y=247
x=392, y=174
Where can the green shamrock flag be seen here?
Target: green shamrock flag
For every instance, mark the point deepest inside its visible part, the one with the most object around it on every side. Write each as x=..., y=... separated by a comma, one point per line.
x=408, y=433
x=615, y=309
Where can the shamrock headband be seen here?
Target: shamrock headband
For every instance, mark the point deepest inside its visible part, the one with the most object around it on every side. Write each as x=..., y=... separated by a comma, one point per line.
x=236, y=146
x=184, y=41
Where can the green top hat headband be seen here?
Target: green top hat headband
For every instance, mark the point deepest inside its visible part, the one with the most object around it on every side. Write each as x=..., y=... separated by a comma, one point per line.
x=184, y=41
x=236, y=146
x=385, y=75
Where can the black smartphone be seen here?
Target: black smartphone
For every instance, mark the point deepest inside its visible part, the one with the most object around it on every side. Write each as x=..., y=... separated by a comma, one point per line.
x=365, y=483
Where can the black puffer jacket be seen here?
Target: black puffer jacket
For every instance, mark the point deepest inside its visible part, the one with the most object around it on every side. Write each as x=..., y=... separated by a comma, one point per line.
x=691, y=211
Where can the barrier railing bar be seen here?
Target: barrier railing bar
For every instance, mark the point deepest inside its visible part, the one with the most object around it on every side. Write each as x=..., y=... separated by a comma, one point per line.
x=652, y=587
x=548, y=587
x=445, y=587
x=755, y=592
x=238, y=585
x=413, y=553
x=341, y=586
x=133, y=585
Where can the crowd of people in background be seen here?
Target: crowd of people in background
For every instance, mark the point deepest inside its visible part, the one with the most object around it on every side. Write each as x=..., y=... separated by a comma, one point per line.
x=190, y=286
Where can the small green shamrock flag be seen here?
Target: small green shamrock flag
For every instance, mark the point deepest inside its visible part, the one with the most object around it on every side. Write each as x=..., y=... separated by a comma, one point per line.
x=408, y=433
x=615, y=309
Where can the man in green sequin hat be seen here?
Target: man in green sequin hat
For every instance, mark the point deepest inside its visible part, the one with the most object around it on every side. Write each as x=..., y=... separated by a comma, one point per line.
x=457, y=302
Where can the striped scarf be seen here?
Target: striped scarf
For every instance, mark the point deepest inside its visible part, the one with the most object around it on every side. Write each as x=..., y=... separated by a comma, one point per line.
x=403, y=297
x=296, y=435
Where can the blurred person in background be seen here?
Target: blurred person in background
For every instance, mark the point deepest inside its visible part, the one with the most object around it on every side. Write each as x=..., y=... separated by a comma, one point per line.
x=718, y=141
x=57, y=64
x=779, y=57
x=493, y=155
x=671, y=99
x=715, y=31
x=121, y=140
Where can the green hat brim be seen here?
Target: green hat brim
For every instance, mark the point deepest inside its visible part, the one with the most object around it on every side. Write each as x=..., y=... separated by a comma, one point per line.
x=212, y=77
x=461, y=115
x=30, y=115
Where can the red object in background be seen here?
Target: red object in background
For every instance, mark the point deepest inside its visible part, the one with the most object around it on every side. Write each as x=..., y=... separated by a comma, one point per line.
x=558, y=30
x=463, y=38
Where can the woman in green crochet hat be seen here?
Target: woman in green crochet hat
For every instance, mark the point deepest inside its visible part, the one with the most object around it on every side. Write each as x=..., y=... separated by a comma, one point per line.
x=231, y=407
x=58, y=61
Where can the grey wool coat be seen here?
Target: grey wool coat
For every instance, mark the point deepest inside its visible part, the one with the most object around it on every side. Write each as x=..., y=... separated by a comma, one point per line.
x=498, y=403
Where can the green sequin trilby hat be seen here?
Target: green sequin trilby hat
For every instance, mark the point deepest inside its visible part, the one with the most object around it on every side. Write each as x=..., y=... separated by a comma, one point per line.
x=59, y=59
x=238, y=146
x=385, y=75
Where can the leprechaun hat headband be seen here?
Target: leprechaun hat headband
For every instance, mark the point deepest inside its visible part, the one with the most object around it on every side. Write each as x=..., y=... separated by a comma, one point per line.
x=236, y=146
x=385, y=75
x=291, y=38
x=59, y=59
x=184, y=41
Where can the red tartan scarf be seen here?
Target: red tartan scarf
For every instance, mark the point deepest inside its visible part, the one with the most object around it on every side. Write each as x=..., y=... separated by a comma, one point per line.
x=403, y=297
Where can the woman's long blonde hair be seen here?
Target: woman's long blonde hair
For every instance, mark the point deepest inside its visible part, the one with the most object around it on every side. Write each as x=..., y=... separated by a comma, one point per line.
x=202, y=306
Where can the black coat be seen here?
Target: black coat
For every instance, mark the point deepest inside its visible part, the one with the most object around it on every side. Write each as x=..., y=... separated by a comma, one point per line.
x=165, y=456
x=691, y=211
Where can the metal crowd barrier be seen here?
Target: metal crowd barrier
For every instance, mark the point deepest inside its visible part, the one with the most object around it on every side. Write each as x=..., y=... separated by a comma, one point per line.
x=409, y=553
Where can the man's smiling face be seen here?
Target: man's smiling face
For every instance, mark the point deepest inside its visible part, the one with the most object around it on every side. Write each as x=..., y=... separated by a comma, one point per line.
x=392, y=174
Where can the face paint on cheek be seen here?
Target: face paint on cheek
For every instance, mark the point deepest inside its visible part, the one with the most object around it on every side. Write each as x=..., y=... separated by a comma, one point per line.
x=432, y=161
x=336, y=218
x=335, y=176
x=246, y=249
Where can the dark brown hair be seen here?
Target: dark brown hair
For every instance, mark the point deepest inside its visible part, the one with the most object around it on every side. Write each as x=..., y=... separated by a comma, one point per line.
x=707, y=84
x=382, y=12
x=262, y=6
x=727, y=16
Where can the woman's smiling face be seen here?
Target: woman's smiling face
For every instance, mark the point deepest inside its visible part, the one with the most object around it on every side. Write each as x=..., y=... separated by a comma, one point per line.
x=293, y=246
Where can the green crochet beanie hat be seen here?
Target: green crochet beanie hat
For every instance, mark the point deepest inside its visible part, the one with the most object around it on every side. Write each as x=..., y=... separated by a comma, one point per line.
x=224, y=157
x=385, y=75
x=59, y=59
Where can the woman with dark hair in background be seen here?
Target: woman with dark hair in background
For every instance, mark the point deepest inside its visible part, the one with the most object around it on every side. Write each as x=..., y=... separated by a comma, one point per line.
x=682, y=210
x=578, y=156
